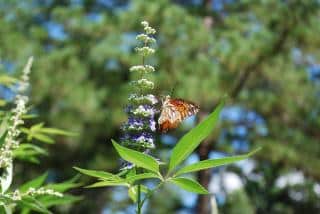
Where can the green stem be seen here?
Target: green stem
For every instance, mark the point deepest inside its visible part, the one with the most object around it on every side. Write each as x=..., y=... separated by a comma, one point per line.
x=139, y=200
x=139, y=195
x=149, y=194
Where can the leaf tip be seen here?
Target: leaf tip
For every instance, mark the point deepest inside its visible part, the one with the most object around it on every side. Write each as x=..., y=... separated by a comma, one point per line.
x=255, y=151
x=114, y=143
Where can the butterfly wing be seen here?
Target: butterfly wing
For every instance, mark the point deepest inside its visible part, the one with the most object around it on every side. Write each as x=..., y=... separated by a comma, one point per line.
x=169, y=118
x=174, y=111
x=186, y=108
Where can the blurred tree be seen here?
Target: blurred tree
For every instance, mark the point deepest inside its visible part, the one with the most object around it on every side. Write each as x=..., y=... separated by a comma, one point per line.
x=248, y=49
x=238, y=202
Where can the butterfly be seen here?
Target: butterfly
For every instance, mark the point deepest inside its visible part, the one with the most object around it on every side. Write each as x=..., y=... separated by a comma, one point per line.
x=174, y=111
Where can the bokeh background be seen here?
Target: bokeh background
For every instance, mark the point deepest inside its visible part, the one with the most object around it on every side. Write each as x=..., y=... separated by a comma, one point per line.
x=265, y=54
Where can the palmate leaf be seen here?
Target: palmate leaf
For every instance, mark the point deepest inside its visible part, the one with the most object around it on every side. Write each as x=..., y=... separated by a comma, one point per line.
x=206, y=164
x=193, y=138
x=189, y=185
x=137, y=158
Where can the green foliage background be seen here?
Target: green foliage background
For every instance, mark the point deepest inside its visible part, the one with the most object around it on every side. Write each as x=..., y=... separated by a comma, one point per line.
x=79, y=83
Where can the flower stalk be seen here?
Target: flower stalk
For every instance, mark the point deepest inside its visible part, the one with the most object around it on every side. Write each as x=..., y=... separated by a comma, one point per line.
x=141, y=125
x=11, y=141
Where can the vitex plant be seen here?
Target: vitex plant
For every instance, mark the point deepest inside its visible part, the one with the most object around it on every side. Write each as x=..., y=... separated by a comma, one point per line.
x=17, y=142
x=138, y=139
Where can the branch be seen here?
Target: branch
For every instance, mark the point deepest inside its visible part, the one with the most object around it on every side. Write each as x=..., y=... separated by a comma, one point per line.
x=276, y=49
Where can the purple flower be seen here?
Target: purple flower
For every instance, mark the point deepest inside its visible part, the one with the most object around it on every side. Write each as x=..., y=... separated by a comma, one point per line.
x=136, y=124
x=138, y=131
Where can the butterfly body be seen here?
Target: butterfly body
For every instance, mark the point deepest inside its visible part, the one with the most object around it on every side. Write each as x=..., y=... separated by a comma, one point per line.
x=174, y=111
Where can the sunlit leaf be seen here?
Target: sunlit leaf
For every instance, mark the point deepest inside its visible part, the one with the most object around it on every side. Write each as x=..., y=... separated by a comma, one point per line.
x=189, y=185
x=43, y=138
x=64, y=186
x=55, y=131
x=108, y=183
x=193, y=138
x=205, y=164
x=137, y=158
x=7, y=80
x=140, y=177
x=35, y=183
x=98, y=174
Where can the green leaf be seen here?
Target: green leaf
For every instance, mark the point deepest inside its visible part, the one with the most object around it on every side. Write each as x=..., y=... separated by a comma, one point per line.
x=2, y=138
x=7, y=80
x=34, y=132
x=193, y=138
x=133, y=190
x=36, y=127
x=189, y=185
x=213, y=163
x=55, y=131
x=130, y=172
x=35, y=183
x=49, y=200
x=4, y=126
x=137, y=158
x=2, y=102
x=42, y=133
x=4, y=199
x=43, y=138
x=98, y=174
x=29, y=152
x=108, y=183
x=33, y=204
x=64, y=186
x=140, y=177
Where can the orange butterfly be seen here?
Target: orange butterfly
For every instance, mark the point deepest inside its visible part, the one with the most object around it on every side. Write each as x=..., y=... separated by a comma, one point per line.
x=174, y=111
